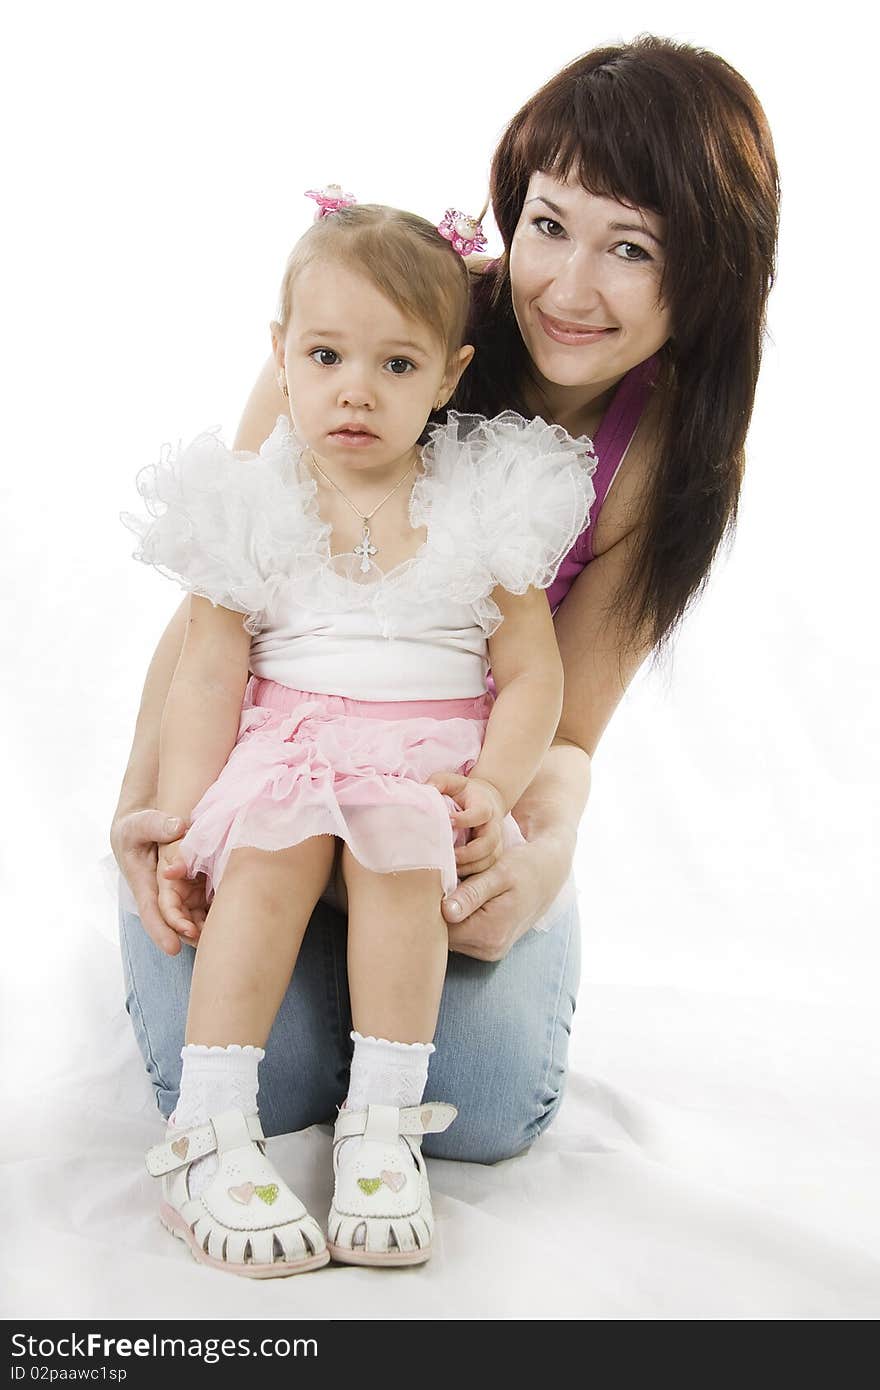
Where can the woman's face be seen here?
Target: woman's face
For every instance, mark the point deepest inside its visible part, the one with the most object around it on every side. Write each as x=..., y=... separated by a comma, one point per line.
x=585, y=274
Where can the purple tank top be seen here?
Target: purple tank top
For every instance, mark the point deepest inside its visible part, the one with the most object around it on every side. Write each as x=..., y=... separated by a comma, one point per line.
x=612, y=439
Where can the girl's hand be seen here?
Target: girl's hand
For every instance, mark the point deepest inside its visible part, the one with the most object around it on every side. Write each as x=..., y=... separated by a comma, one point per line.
x=480, y=818
x=133, y=839
x=181, y=899
x=492, y=910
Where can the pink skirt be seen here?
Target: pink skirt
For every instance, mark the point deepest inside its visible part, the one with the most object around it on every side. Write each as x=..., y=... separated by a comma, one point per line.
x=307, y=764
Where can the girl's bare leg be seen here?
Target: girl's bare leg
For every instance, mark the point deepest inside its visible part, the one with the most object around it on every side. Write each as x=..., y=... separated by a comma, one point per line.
x=244, y=960
x=251, y=939
x=397, y=951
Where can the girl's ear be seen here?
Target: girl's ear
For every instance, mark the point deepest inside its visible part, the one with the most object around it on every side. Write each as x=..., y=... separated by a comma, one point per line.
x=456, y=369
x=277, y=335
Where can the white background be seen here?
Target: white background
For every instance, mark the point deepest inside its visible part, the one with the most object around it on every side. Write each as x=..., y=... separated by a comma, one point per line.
x=156, y=158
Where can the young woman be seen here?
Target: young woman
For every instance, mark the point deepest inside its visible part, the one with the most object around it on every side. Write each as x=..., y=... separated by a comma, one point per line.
x=628, y=305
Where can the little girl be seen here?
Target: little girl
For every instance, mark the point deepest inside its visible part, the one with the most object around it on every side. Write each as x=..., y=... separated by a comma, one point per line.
x=379, y=580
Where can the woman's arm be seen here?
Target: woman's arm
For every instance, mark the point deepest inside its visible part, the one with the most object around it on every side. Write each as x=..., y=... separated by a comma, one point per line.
x=262, y=408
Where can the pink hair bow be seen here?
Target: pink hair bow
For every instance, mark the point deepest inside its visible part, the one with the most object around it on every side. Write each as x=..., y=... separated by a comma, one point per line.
x=330, y=199
x=464, y=232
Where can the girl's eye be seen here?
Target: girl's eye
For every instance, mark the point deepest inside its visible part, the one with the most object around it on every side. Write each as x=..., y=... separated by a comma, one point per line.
x=548, y=227
x=625, y=247
x=324, y=357
x=400, y=366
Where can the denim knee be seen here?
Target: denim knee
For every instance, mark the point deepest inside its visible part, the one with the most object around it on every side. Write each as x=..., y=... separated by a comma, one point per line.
x=492, y=1137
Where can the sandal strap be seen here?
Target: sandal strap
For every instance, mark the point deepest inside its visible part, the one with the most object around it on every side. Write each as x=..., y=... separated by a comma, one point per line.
x=384, y=1122
x=190, y=1144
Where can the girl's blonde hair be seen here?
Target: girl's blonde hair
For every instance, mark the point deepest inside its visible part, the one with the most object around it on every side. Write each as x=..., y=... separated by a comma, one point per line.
x=403, y=255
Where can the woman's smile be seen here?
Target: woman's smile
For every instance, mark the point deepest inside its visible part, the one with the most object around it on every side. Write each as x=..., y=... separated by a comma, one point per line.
x=577, y=334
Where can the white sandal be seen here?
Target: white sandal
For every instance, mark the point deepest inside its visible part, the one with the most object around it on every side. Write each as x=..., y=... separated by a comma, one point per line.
x=382, y=1184
x=246, y=1221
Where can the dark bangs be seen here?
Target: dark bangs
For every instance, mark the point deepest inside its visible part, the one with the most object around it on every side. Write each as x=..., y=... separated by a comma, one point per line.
x=590, y=128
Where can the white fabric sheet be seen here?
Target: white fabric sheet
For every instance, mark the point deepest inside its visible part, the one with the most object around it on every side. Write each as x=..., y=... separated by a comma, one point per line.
x=714, y=1159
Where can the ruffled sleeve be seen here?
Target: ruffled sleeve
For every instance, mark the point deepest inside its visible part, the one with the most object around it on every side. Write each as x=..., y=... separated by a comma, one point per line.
x=235, y=528
x=505, y=499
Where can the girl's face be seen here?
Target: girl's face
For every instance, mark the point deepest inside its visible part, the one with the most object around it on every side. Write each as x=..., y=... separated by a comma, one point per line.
x=362, y=377
x=585, y=274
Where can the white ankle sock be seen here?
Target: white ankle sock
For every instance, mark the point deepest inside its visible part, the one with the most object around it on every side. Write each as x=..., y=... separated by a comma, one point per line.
x=387, y=1073
x=383, y=1073
x=214, y=1079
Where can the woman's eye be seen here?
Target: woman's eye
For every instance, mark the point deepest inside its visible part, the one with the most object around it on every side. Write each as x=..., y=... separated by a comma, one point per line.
x=325, y=357
x=548, y=227
x=400, y=366
x=625, y=247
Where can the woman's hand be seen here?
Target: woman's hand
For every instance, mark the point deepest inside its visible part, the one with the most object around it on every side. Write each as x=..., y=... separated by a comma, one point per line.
x=505, y=890
x=181, y=899
x=491, y=910
x=134, y=836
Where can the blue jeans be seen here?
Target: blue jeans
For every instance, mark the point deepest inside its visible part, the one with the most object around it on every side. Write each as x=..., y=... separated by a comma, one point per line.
x=502, y=1035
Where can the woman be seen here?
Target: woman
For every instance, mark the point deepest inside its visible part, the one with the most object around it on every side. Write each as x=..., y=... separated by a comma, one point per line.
x=637, y=198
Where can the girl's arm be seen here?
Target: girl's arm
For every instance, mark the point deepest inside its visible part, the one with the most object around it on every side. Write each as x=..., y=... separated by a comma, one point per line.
x=599, y=659
x=527, y=671
x=138, y=827
x=199, y=728
x=201, y=716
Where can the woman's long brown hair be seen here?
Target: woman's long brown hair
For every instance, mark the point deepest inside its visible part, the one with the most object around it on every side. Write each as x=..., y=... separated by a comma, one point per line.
x=674, y=129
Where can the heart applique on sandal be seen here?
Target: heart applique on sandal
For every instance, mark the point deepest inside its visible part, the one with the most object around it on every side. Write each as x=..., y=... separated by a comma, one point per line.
x=381, y=1212
x=246, y=1220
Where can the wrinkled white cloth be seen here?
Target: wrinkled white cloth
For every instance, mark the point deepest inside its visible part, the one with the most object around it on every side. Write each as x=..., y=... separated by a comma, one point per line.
x=502, y=502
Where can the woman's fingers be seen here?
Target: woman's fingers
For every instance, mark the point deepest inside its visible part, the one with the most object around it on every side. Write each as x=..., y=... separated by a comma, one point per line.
x=486, y=933
x=140, y=829
x=470, y=896
x=134, y=838
x=156, y=927
x=140, y=875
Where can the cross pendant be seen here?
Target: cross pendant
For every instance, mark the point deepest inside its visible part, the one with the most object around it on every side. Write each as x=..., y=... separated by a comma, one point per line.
x=365, y=549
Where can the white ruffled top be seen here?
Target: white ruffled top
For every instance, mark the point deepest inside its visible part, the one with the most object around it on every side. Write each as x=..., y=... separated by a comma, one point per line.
x=502, y=502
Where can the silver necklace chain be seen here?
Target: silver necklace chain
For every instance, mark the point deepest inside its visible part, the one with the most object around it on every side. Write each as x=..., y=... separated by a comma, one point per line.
x=366, y=550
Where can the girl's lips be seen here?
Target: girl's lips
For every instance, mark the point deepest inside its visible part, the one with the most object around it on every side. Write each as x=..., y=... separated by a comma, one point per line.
x=573, y=334
x=353, y=438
